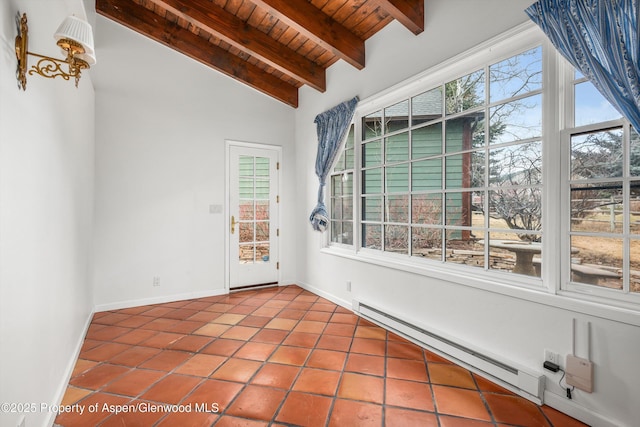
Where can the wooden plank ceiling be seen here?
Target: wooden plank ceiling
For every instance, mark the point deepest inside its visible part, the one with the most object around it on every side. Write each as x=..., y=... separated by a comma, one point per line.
x=274, y=46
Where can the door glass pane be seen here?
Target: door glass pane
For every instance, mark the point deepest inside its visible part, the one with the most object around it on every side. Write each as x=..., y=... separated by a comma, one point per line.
x=262, y=166
x=246, y=254
x=262, y=210
x=246, y=188
x=262, y=231
x=253, y=225
x=262, y=252
x=246, y=232
x=262, y=189
x=246, y=165
x=246, y=210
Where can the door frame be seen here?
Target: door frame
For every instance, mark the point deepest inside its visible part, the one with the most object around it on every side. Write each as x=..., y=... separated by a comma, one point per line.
x=229, y=143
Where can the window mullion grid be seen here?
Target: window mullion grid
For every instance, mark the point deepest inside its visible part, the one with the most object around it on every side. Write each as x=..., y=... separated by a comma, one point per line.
x=443, y=169
x=410, y=178
x=626, y=209
x=556, y=110
x=383, y=178
x=487, y=127
x=466, y=190
x=253, y=220
x=357, y=182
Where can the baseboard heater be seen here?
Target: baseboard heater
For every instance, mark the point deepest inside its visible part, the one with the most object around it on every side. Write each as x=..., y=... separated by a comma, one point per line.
x=517, y=379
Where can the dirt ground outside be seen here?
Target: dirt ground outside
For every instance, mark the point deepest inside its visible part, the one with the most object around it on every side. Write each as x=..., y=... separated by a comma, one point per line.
x=603, y=252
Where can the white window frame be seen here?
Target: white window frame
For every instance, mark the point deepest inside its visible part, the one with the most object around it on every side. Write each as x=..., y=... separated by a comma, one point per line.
x=329, y=193
x=550, y=288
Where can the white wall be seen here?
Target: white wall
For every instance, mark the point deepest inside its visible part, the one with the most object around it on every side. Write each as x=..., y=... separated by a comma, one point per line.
x=46, y=216
x=162, y=122
x=514, y=329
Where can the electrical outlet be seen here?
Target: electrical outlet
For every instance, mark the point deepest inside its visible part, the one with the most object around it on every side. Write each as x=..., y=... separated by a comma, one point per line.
x=550, y=356
x=348, y=285
x=156, y=280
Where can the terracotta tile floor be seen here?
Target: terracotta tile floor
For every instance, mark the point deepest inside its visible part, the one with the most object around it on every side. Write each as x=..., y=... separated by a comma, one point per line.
x=277, y=356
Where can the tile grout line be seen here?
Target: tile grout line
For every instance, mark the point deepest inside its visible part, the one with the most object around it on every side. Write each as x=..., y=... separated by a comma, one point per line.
x=231, y=305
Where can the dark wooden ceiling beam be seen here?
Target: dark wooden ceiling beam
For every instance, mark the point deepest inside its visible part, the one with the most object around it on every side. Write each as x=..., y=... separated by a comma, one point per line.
x=318, y=27
x=236, y=32
x=146, y=22
x=409, y=13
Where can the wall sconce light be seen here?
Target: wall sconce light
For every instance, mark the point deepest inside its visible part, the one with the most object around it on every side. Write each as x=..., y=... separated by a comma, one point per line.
x=75, y=38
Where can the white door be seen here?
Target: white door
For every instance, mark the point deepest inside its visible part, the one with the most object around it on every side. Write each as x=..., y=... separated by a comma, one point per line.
x=253, y=216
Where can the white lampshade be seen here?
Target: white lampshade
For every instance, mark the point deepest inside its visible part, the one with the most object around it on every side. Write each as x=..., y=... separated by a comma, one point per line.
x=79, y=31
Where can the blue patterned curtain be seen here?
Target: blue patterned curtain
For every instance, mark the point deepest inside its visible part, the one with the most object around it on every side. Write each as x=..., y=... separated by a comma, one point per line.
x=600, y=38
x=331, y=127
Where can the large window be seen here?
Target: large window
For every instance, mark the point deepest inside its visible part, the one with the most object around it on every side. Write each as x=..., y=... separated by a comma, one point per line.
x=483, y=170
x=342, y=194
x=604, y=197
x=454, y=174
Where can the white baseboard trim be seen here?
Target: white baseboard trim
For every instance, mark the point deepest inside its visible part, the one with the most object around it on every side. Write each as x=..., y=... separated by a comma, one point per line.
x=553, y=400
x=159, y=300
x=341, y=302
x=579, y=412
x=62, y=387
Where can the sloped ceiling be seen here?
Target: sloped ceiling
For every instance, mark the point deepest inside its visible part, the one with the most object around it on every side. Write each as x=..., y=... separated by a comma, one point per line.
x=274, y=46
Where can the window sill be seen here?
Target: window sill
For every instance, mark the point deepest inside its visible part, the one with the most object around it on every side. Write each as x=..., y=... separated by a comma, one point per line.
x=528, y=289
